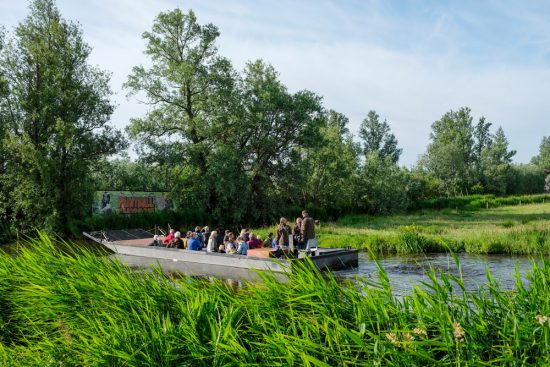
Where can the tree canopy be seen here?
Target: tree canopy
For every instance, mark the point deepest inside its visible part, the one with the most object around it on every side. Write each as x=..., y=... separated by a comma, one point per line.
x=56, y=113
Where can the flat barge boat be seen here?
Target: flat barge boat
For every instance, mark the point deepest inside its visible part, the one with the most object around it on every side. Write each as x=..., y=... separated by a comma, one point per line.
x=136, y=242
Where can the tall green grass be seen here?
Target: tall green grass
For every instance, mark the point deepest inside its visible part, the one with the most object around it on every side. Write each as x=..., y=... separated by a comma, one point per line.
x=67, y=306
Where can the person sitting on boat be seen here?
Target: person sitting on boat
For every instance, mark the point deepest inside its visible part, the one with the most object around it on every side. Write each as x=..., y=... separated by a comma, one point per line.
x=200, y=236
x=186, y=240
x=268, y=242
x=177, y=241
x=166, y=241
x=206, y=234
x=243, y=246
x=254, y=242
x=194, y=244
x=212, y=242
x=297, y=234
x=156, y=241
x=308, y=232
x=280, y=250
x=246, y=234
x=220, y=237
x=229, y=245
x=283, y=231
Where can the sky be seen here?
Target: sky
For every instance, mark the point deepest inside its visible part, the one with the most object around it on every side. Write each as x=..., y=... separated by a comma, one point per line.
x=410, y=61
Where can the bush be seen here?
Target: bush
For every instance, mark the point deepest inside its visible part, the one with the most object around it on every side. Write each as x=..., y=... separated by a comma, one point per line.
x=475, y=202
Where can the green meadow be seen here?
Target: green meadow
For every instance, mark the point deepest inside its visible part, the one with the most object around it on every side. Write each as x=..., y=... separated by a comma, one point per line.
x=520, y=229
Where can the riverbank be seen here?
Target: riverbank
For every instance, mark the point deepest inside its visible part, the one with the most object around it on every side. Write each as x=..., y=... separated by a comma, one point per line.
x=521, y=229
x=76, y=308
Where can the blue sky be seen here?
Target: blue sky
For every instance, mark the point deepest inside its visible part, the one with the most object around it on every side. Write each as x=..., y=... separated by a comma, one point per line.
x=411, y=61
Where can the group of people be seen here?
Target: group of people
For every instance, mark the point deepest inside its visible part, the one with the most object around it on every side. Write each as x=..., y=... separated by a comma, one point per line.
x=302, y=235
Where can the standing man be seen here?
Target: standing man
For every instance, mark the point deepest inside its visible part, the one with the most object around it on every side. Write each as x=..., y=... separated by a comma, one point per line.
x=307, y=233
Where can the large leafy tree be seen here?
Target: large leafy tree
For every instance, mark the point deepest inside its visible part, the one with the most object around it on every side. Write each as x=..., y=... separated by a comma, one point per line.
x=383, y=186
x=56, y=111
x=4, y=184
x=190, y=89
x=497, y=163
x=542, y=160
x=275, y=126
x=482, y=140
x=330, y=169
x=377, y=137
x=450, y=154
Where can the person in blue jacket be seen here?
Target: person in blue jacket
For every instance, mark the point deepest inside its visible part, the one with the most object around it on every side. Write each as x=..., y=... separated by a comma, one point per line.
x=194, y=244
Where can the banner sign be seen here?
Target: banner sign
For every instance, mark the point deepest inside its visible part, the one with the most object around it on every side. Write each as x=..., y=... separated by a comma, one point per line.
x=127, y=202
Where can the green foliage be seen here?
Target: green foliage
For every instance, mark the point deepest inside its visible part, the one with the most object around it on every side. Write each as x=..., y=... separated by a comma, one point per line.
x=122, y=174
x=377, y=138
x=228, y=139
x=449, y=155
x=473, y=202
x=56, y=114
x=67, y=305
x=543, y=158
x=328, y=171
x=497, y=161
x=382, y=186
x=526, y=179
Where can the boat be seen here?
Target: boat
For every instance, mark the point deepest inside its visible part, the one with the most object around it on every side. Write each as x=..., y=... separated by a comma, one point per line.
x=136, y=242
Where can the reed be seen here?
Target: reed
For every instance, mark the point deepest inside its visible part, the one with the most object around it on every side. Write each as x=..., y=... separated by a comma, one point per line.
x=63, y=305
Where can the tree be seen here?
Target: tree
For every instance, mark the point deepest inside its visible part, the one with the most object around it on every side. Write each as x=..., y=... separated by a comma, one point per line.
x=526, y=179
x=543, y=158
x=482, y=140
x=450, y=154
x=383, y=186
x=5, y=186
x=330, y=169
x=497, y=160
x=122, y=174
x=377, y=137
x=57, y=112
x=190, y=89
x=274, y=127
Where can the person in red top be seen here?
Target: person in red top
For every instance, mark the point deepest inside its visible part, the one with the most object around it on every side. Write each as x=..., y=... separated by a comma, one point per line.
x=169, y=237
x=254, y=242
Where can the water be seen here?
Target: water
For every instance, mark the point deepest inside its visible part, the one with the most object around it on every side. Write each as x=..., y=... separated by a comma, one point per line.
x=404, y=272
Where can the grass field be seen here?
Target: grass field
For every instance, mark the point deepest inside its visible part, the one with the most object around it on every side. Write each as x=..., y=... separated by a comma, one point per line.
x=521, y=229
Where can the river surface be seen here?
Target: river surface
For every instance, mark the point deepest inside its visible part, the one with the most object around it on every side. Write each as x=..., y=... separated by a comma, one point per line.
x=404, y=272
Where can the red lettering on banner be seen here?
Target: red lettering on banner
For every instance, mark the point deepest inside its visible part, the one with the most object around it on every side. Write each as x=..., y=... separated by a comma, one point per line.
x=133, y=204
